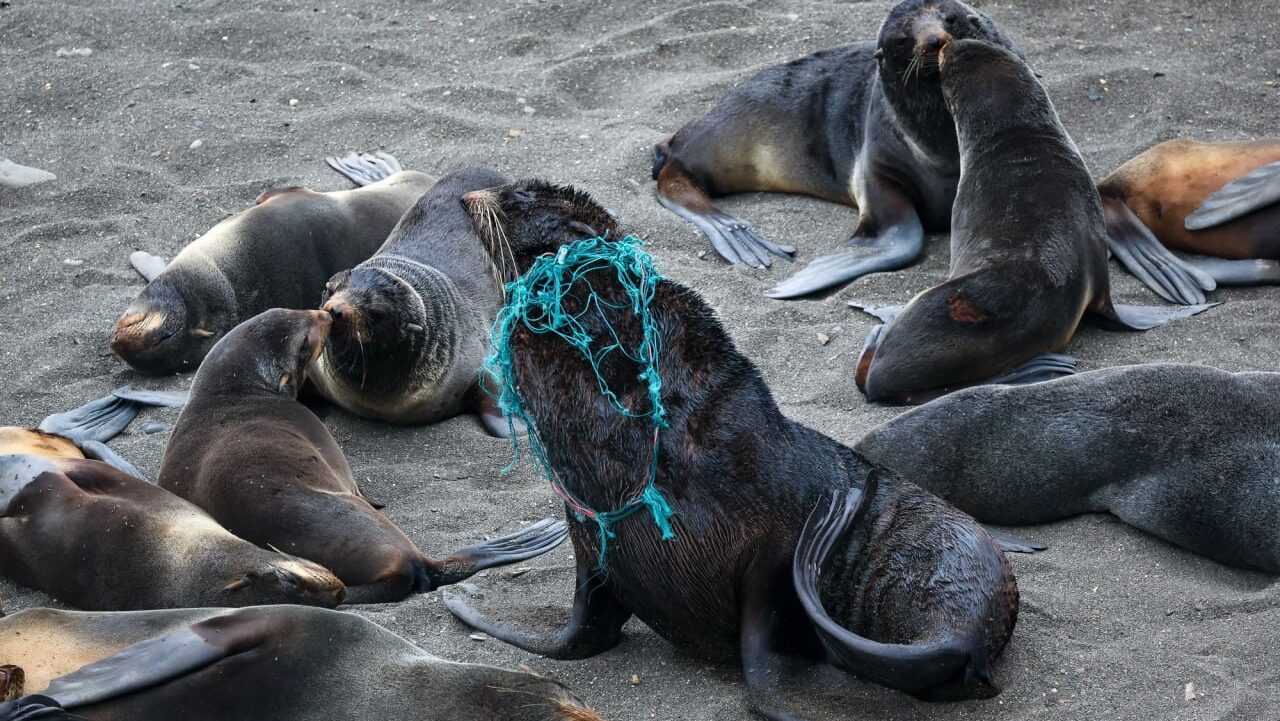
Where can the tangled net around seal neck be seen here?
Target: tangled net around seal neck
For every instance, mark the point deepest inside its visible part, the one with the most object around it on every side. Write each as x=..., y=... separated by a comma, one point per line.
x=536, y=301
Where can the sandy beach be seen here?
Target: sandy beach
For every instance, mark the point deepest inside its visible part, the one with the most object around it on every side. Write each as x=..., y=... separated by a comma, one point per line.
x=182, y=112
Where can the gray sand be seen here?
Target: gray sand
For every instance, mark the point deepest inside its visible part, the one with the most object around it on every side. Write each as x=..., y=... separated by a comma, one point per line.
x=1114, y=623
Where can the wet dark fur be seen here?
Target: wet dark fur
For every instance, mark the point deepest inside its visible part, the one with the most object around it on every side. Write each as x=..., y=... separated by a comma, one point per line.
x=742, y=479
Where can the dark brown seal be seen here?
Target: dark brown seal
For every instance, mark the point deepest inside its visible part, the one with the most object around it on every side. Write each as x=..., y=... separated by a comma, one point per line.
x=284, y=663
x=263, y=465
x=862, y=125
x=1220, y=201
x=1028, y=245
x=788, y=547
x=277, y=254
x=98, y=539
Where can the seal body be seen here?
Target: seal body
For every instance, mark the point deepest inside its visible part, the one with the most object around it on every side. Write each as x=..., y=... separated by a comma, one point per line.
x=862, y=125
x=279, y=662
x=263, y=465
x=98, y=539
x=277, y=254
x=410, y=324
x=1028, y=243
x=1184, y=452
x=742, y=480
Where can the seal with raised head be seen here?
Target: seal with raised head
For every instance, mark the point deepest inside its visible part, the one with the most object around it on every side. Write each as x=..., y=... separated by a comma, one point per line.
x=1028, y=246
x=862, y=125
x=99, y=539
x=285, y=663
x=1219, y=201
x=277, y=254
x=1184, y=452
x=784, y=547
x=263, y=465
x=410, y=323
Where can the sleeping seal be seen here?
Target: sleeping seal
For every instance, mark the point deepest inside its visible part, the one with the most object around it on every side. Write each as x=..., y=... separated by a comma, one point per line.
x=277, y=254
x=263, y=465
x=410, y=323
x=1184, y=452
x=754, y=536
x=284, y=663
x=1028, y=245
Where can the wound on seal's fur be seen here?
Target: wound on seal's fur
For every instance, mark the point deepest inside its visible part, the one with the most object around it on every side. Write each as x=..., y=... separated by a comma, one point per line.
x=963, y=309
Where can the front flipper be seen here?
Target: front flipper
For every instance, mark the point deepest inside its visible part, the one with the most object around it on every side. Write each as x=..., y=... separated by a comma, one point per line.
x=148, y=266
x=35, y=708
x=365, y=168
x=1252, y=191
x=1253, y=271
x=595, y=623
x=1144, y=317
x=512, y=548
x=135, y=668
x=1143, y=255
x=914, y=668
x=733, y=239
x=1037, y=370
x=1010, y=543
x=889, y=236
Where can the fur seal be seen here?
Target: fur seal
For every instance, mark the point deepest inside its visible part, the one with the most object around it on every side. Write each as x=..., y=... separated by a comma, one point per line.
x=1184, y=452
x=286, y=663
x=98, y=539
x=237, y=269
x=1028, y=245
x=861, y=125
x=263, y=465
x=1209, y=199
x=745, y=574
x=410, y=323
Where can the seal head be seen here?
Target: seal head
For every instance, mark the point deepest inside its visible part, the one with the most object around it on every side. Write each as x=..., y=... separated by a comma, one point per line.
x=379, y=327
x=287, y=342
x=164, y=332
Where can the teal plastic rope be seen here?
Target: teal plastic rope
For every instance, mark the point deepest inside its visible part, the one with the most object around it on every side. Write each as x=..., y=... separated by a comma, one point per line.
x=536, y=301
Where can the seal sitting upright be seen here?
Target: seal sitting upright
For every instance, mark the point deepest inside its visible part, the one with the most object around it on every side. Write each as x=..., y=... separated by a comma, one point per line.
x=1028, y=245
x=783, y=546
x=863, y=124
x=409, y=324
x=263, y=465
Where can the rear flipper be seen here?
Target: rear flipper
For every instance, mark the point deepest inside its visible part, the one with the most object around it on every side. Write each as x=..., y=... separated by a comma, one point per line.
x=1143, y=255
x=148, y=266
x=1255, y=271
x=35, y=708
x=938, y=669
x=365, y=168
x=90, y=426
x=99, y=451
x=733, y=239
x=1246, y=194
x=1037, y=370
x=1010, y=543
x=512, y=548
x=1145, y=317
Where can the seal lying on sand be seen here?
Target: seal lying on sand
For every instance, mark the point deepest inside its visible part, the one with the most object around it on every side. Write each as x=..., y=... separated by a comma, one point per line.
x=98, y=539
x=1028, y=245
x=277, y=254
x=1211, y=199
x=285, y=663
x=410, y=323
x=1184, y=452
x=731, y=479
x=862, y=125
x=263, y=465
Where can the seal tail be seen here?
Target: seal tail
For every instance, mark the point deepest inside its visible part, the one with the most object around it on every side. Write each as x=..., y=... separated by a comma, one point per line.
x=365, y=168
x=522, y=545
x=927, y=669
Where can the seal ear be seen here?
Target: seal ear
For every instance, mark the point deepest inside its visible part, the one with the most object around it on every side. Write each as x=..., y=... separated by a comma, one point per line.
x=414, y=328
x=201, y=332
x=286, y=383
x=879, y=56
x=244, y=581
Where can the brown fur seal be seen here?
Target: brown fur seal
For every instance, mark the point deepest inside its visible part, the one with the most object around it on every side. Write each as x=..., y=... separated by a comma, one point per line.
x=788, y=548
x=277, y=254
x=410, y=323
x=1210, y=199
x=263, y=465
x=861, y=125
x=1028, y=245
x=96, y=538
x=284, y=663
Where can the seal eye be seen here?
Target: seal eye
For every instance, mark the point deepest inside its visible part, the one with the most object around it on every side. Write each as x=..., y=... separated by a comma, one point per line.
x=950, y=19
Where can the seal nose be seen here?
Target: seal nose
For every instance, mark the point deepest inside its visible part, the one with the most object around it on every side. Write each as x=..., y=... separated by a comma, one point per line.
x=935, y=41
x=337, y=308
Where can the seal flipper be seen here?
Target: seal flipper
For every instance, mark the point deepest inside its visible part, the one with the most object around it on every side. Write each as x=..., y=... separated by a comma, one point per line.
x=1037, y=370
x=485, y=407
x=1252, y=191
x=1253, y=271
x=90, y=426
x=514, y=547
x=365, y=168
x=595, y=621
x=919, y=669
x=764, y=666
x=148, y=266
x=1010, y=543
x=35, y=708
x=1143, y=255
x=99, y=451
x=735, y=240
x=1143, y=317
